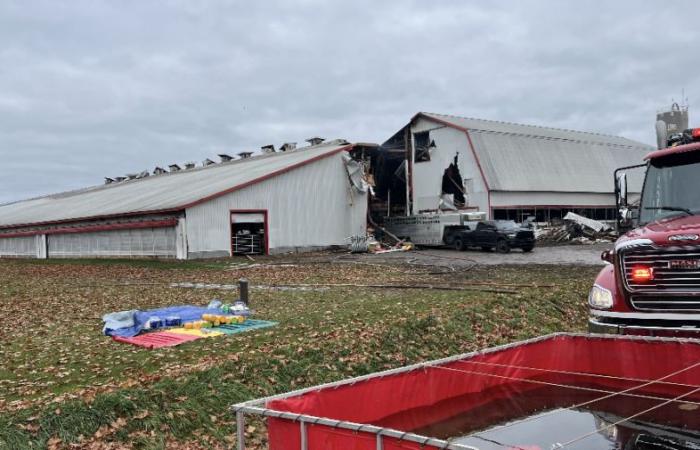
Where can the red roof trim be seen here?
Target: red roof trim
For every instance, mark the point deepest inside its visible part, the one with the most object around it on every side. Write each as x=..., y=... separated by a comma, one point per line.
x=189, y=205
x=83, y=219
x=165, y=223
x=673, y=150
x=465, y=131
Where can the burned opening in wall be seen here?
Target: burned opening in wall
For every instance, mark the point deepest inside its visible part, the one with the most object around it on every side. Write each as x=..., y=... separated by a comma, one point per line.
x=452, y=183
x=248, y=233
x=388, y=166
x=423, y=146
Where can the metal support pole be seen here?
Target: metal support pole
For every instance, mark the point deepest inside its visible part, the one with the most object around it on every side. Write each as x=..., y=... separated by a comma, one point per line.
x=240, y=429
x=243, y=290
x=304, y=438
x=380, y=441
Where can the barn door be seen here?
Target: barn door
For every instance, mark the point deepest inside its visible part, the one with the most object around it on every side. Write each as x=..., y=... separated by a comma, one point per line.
x=249, y=232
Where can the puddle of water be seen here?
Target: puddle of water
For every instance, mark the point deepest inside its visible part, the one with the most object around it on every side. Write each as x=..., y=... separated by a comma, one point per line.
x=520, y=417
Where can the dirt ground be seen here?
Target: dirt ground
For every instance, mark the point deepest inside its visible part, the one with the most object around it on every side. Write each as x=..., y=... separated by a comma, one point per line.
x=580, y=255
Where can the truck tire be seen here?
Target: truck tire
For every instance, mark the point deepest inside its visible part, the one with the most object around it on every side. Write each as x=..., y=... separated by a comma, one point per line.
x=502, y=246
x=458, y=244
x=528, y=249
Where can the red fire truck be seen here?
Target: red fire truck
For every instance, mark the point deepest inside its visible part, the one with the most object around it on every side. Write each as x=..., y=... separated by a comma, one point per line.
x=651, y=282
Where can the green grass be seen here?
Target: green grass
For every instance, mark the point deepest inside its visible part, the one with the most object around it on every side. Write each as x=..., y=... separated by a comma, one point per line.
x=71, y=383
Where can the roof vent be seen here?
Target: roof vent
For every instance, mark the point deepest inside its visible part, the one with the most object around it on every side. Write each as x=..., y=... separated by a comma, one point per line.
x=158, y=171
x=268, y=148
x=315, y=140
x=143, y=174
x=207, y=162
x=189, y=165
x=245, y=155
x=174, y=168
x=131, y=176
x=224, y=157
x=119, y=179
x=109, y=180
x=288, y=146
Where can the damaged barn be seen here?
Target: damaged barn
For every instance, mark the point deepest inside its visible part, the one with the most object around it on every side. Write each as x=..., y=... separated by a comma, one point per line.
x=439, y=163
x=289, y=200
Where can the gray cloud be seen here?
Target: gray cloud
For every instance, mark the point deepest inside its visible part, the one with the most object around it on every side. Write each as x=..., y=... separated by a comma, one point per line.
x=91, y=89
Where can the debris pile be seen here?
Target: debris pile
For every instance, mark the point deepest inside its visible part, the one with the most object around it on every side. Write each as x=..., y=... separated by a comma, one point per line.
x=388, y=243
x=576, y=229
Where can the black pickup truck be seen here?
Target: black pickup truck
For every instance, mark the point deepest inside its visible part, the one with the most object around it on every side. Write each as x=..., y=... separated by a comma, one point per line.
x=499, y=235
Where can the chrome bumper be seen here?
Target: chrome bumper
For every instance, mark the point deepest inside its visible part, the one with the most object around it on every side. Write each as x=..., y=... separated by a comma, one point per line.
x=600, y=327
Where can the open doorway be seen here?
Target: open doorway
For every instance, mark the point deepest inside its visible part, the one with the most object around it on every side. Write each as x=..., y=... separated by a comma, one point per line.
x=249, y=232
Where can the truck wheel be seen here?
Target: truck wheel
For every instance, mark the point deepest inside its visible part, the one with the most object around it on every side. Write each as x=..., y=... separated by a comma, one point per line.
x=528, y=249
x=458, y=244
x=502, y=246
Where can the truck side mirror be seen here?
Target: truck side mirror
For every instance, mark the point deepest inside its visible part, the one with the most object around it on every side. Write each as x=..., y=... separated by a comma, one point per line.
x=622, y=189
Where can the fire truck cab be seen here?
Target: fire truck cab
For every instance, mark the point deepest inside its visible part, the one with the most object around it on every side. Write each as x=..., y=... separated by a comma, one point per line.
x=651, y=282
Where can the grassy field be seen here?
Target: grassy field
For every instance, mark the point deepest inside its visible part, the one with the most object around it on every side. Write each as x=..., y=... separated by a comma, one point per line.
x=65, y=385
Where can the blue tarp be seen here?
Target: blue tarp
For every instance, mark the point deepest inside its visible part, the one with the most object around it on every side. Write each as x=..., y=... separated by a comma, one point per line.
x=131, y=323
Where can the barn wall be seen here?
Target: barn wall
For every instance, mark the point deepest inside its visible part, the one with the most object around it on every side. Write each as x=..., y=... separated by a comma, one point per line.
x=19, y=247
x=309, y=207
x=427, y=176
x=157, y=242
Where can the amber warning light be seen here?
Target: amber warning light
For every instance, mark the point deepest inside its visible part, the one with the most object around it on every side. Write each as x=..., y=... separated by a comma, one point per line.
x=642, y=274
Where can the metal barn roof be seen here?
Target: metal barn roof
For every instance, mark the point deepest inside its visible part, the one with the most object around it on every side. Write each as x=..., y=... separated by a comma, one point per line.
x=517, y=157
x=166, y=192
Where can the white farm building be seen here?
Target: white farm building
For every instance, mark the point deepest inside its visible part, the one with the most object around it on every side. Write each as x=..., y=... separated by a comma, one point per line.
x=510, y=171
x=284, y=201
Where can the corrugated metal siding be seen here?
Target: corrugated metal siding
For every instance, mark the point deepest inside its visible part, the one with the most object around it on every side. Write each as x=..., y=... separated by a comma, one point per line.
x=500, y=199
x=519, y=163
x=309, y=207
x=160, y=242
x=19, y=247
x=161, y=192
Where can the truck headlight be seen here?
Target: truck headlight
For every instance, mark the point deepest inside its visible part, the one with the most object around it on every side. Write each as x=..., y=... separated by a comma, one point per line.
x=600, y=298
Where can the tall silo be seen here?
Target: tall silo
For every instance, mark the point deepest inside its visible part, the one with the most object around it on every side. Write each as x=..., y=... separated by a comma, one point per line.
x=669, y=122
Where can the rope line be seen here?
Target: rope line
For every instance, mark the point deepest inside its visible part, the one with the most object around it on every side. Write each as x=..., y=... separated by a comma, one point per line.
x=581, y=388
x=610, y=394
x=627, y=419
x=588, y=374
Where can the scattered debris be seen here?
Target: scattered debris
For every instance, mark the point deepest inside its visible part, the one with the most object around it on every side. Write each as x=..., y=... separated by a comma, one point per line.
x=588, y=223
x=576, y=229
x=360, y=243
x=401, y=247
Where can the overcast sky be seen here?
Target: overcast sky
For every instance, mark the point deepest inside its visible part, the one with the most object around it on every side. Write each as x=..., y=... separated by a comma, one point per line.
x=100, y=88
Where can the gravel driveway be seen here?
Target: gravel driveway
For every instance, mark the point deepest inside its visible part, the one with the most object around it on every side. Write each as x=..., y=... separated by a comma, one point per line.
x=585, y=255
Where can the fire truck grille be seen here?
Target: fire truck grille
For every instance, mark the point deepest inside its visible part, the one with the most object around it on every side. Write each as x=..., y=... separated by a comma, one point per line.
x=656, y=303
x=675, y=270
